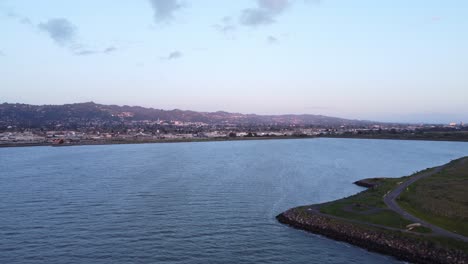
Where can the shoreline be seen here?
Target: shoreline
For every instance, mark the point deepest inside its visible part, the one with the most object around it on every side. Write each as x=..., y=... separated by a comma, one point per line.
x=392, y=243
x=397, y=138
x=131, y=142
x=119, y=142
x=360, y=220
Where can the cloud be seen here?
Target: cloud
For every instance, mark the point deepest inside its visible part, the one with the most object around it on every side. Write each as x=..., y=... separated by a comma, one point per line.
x=25, y=21
x=265, y=13
x=164, y=9
x=255, y=17
x=173, y=55
x=64, y=33
x=2, y=54
x=85, y=52
x=60, y=30
x=21, y=19
x=272, y=40
x=274, y=6
x=226, y=25
x=314, y=2
x=12, y=15
x=109, y=50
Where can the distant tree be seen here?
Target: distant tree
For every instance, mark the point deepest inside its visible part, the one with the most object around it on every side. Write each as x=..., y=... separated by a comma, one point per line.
x=250, y=134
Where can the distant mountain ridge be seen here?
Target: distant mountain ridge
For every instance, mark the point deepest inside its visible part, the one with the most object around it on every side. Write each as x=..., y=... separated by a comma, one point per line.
x=26, y=115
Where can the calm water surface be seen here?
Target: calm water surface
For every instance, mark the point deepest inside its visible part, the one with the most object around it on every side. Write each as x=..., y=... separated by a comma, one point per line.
x=190, y=202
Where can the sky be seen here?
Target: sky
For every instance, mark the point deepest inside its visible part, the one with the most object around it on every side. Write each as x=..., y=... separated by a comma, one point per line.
x=388, y=60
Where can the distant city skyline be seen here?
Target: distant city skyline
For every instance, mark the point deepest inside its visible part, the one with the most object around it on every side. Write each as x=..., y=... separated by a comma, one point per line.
x=398, y=61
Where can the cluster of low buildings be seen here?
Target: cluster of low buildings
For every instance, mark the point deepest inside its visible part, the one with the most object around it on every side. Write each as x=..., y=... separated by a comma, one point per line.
x=12, y=137
x=138, y=134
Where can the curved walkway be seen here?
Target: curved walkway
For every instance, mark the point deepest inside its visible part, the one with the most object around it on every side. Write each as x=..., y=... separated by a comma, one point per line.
x=390, y=201
x=315, y=209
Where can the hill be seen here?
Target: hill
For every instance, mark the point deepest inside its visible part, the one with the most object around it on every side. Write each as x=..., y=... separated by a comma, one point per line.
x=32, y=116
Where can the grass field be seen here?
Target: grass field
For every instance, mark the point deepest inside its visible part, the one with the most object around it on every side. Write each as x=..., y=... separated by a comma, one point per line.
x=441, y=199
x=368, y=206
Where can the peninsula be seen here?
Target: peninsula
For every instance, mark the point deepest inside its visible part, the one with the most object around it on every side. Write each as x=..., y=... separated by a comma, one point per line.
x=422, y=218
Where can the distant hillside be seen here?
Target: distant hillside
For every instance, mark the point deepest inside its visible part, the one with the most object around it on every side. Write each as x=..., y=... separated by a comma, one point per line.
x=24, y=115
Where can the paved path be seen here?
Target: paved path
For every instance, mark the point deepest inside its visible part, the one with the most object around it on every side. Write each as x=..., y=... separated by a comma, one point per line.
x=390, y=201
x=315, y=209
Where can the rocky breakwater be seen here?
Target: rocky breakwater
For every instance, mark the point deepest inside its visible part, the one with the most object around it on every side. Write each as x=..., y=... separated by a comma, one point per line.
x=369, y=183
x=394, y=243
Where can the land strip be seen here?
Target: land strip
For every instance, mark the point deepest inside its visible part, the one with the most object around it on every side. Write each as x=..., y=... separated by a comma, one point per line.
x=373, y=219
x=390, y=201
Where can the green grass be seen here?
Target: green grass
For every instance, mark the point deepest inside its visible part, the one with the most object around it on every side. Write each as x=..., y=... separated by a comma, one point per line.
x=437, y=241
x=368, y=206
x=441, y=199
x=443, y=242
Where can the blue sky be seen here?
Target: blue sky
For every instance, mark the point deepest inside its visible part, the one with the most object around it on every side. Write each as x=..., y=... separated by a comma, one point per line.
x=390, y=60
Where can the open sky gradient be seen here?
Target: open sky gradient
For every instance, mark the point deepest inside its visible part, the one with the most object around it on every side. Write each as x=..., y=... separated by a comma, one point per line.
x=389, y=60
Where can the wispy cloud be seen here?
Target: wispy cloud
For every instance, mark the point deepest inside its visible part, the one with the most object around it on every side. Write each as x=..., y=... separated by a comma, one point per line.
x=274, y=6
x=314, y=2
x=2, y=54
x=85, y=52
x=226, y=25
x=61, y=30
x=256, y=17
x=64, y=33
x=26, y=21
x=265, y=13
x=109, y=50
x=21, y=19
x=173, y=55
x=164, y=9
x=272, y=40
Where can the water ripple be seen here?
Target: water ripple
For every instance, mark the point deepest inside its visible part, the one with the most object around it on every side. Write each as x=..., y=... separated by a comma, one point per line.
x=189, y=203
